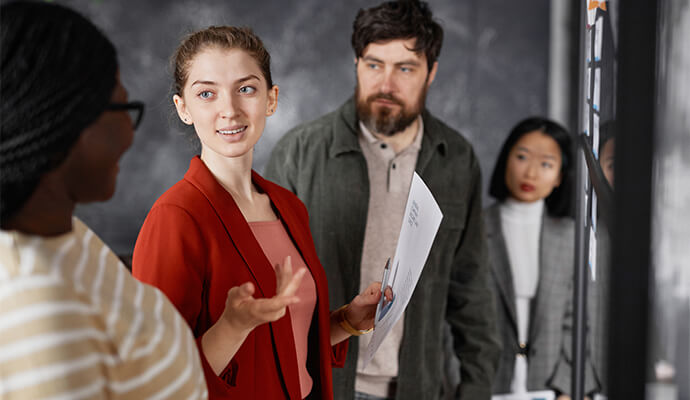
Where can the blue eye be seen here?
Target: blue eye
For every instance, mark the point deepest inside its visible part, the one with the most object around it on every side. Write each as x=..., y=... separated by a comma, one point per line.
x=405, y=69
x=247, y=89
x=373, y=66
x=206, y=94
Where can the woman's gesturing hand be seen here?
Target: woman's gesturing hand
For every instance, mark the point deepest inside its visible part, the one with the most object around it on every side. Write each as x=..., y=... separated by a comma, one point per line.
x=244, y=312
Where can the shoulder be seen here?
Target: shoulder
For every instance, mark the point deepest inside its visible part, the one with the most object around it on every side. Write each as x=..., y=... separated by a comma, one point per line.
x=183, y=194
x=562, y=225
x=492, y=212
x=41, y=303
x=189, y=191
x=559, y=231
x=452, y=136
x=182, y=201
x=314, y=133
x=182, y=215
x=492, y=219
x=36, y=288
x=456, y=148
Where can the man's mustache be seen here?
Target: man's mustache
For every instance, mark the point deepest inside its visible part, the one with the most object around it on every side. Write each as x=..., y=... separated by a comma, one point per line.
x=384, y=96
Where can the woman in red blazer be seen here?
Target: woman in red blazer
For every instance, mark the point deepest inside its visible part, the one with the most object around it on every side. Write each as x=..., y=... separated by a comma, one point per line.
x=263, y=331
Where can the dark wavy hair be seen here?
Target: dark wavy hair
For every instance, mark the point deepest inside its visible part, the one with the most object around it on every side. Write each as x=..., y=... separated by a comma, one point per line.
x=57, y=75
x=559, y=203
x=404, y=19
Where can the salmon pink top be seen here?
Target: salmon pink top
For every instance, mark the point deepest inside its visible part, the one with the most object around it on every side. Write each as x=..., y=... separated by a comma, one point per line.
x=277, y=244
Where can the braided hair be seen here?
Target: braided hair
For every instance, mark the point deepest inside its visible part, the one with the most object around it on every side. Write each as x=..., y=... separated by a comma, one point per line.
x=57, y=75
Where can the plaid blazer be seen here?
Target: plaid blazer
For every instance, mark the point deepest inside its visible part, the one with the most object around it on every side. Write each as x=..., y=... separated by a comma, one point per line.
x=549, y=325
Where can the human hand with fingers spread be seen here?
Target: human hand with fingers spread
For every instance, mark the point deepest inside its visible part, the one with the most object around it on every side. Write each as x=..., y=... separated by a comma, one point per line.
x=243, y=313
x=357, y=317
x=207, y=241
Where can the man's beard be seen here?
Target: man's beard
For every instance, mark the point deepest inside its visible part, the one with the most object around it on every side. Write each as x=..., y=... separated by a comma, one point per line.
x=385, y=121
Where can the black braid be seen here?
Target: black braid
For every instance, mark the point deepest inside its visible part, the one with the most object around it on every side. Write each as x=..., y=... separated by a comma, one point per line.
x=57, y=74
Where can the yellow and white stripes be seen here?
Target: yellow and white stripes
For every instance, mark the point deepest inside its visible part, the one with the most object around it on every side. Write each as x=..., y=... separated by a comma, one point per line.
x=74, y=324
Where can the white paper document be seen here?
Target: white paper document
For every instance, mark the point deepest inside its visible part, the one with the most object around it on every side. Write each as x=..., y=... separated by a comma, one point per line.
x=591, y=11
x=593, y=254
x=595, y=135
x=421, y=221
x=598, y=38
x=588, y=45
x=597, y=88
x=539, y=395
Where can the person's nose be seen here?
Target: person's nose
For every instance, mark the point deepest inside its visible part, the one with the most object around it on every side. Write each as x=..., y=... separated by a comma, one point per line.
x=532, y=170
x=388, y=81
x=229, y=107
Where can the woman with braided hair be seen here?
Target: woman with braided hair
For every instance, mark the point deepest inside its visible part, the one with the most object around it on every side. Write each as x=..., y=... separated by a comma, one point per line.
x=73, y=322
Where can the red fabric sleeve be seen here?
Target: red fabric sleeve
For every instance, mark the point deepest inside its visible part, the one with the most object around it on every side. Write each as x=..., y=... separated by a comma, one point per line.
x=339, y=354
x=217, y=385
x=169, y=254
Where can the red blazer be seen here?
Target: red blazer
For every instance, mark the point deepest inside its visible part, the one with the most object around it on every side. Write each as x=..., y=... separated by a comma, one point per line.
x=195, y=245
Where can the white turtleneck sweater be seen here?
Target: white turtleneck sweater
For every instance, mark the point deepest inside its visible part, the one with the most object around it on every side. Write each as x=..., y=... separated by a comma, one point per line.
x=521, y=225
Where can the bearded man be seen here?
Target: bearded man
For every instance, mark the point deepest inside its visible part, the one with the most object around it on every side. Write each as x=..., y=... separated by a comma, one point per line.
x=353, y=168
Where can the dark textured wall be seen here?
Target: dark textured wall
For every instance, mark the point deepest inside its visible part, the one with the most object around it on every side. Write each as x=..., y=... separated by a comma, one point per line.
x=493, y=71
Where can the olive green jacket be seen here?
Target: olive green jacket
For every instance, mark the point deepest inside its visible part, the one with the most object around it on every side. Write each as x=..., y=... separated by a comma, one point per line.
x=322, y=163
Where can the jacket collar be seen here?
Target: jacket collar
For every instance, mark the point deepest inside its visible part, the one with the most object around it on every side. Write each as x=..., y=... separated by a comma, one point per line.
x=500, y=265
x=231, y=216
x=241, y=235
x=243, y=238
x=346, y=129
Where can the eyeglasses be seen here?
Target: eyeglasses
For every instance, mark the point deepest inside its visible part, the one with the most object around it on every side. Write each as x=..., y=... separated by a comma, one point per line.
x=134, y=108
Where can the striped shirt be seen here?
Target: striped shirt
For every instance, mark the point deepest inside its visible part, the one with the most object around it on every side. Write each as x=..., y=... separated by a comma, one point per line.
x=74, y=324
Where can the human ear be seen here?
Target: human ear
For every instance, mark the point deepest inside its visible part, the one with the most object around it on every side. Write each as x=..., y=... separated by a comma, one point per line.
x=181, y=108
x=432, y=74
x=272, y=102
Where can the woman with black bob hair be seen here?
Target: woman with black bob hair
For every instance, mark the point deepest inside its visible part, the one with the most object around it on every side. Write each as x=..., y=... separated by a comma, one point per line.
x=560, y=201
x=73, y=322
x=531, y=251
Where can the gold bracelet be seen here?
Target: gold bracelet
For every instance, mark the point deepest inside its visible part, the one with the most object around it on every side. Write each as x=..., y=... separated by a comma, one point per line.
x=345, y=324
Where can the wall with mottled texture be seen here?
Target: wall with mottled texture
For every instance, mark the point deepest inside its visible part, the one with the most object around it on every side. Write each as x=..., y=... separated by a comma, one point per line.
x=670, y=330
x=493, y=72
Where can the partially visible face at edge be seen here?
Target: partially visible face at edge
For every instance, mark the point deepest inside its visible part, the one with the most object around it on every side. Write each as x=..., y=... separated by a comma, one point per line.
x=533, y=168
x=607, y=157
x=227, y=100
x=392, y=82
x=91, y=168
